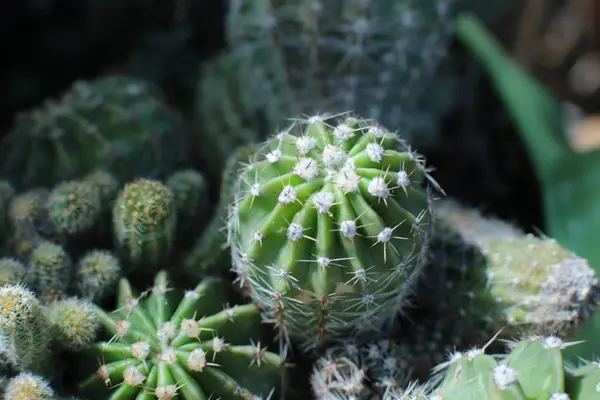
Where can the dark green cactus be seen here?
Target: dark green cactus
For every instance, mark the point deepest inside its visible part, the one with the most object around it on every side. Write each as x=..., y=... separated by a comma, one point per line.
x=74, y=207
x=190, y=194
x=144, y=222
x=118, y=124
x=329, y=226
x=49, y=271
x=7, y=192
x=163, y=344
x=96, y=274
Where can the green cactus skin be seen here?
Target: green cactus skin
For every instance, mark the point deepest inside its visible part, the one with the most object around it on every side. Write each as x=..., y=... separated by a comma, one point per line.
x=28, y=217
x=28, y=386
x=12, y=271
x=534, y=369
x=161, y=344
x=118, y=124
x=96, y=275
x=49, y=271
x=24, y=326
x=144, y=222
x=329, y=226
x=73, y=207
x=7, y=192
x=9, y=360
x=209, y=254
x=107, y=186
x=74, y=321
x=190, y=194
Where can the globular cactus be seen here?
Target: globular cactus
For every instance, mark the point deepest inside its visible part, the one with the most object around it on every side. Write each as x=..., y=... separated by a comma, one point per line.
x=190, y=195
x=144, y=221
x=96, y=274
x=73, y=207
x=534, y=369
x=74, y=322
x=378, y=58
x=118, y=124
x=329, y=226
x=28, y=386
x=25, y=327
x=49, y=271
x=160, y=345
x=12, y=271
x=107, y=186
x=28, y=220
x=7, y=192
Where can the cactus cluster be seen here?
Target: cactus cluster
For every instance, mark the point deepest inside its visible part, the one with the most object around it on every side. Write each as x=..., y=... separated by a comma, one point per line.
x=330, y=226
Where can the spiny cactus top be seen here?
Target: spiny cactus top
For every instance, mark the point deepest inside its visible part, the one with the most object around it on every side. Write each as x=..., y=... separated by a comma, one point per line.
x=329, y=225
x=116, y=123
x=164, y=345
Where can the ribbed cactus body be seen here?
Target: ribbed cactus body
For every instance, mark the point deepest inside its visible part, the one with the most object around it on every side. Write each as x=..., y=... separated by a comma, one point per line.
x=74, y=322
x=144, y=221
x=116, y=123
x=24, y=326
x=96, y=275
x=191, y=198
x=7, y=192
x=161, y=344
x=49, y=271
x=377, y=58
x=12, y=271
x=329, y=225
x=74, y=207
x=534, y=369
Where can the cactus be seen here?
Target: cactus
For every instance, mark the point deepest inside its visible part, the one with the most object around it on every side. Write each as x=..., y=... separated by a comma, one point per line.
x=28, y=220
x=74, y=321
x=329, y=226
x=115, y=123
x=73, y=207
x=378, y=58
x=7, y=192
x=24, y=326
x=12, y=271
x=96, y=275
x=28, y=386
x=164, y=345
x=144, y=221
x=49, y=271
x=190, y=195
x=534, y=369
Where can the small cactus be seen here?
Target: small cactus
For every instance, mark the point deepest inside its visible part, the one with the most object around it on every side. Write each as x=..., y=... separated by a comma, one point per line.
x=12, y=271
x=119, y=124
x=74, y=321
x=96, y=275
x=7, y=192
x=164, y=345
x=190, y=195
x=73, y=207
x=329, y=226
x=49, y=271
x=24, y=325
x=28, y=386
x=144, y=221
x=29, y=220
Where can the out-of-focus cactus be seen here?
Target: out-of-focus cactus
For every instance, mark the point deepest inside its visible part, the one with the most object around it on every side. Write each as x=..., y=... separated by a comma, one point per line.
x=73, y=207
x=29, y=220
x=190, y=195
x=12, y=271
x=164, y=345
x=7, y=192
x=49, y=271
x=534, y=369
x=329, y=226
x=74, y=322
x=96, y=274
x=28, y=386
x=377, y=58
x=24, y=325
x=115, y=123
x=144, y=221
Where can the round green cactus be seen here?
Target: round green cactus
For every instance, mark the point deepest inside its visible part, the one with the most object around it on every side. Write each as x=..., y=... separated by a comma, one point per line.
x=12, y=271
x=74, y=322
x=49, y=271
x=162, y=344
x=24, y=326
x=96, y=274
x=144, y=220
x=28, y=386
x=115, y=123
x=190, y=193
x=7, y=193
x=73, y=207
x=329, y=226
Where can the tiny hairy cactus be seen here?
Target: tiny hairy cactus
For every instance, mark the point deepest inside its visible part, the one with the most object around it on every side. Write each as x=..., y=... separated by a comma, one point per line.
x=74, y=321
x=534, y=369
x=96, y=274
x=73, y=207
x=118, y=124
x=24, y=326
x=144, y=221
x=163, y=345
x=49, y=271
x=28, y=386
x=329, y=226
x=190, y=195
x=12, y=271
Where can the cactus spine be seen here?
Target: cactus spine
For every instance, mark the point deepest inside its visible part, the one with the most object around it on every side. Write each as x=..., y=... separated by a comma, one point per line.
x=329, y=226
